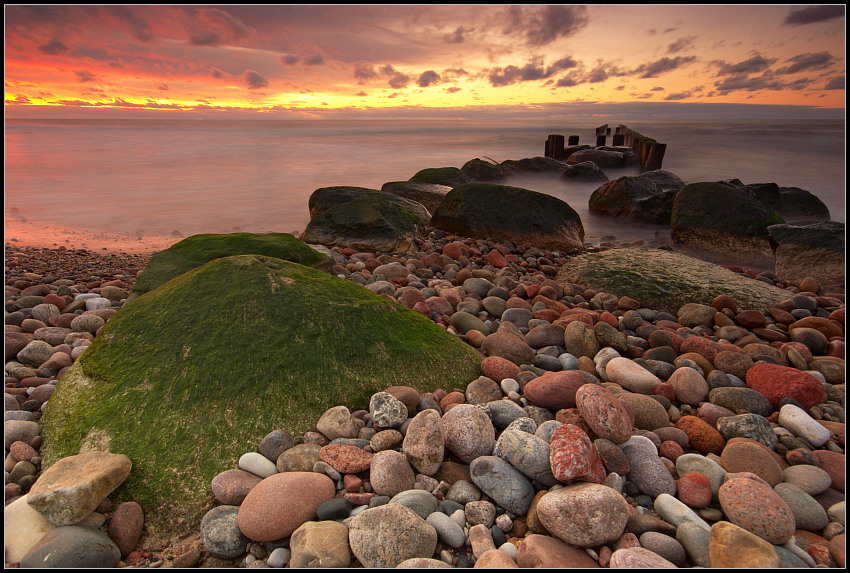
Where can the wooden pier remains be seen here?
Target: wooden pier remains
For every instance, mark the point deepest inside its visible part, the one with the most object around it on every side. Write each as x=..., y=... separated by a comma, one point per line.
x=650, y=153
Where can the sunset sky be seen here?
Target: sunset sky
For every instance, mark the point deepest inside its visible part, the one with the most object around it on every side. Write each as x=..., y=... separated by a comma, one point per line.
x=223, y=61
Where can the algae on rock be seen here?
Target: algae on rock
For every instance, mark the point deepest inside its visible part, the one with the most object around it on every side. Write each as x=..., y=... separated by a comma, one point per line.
x=197, y=250
x=665, y=280
x=195, y=373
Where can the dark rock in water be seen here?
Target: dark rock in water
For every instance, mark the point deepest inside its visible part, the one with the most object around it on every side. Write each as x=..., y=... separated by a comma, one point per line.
x=604, y=159
x=723, y=223
x=585, y=171
x=72, y=546
x=327, y=197
x=665, y=280
x=504, y=213
x=478, y=170
x=430, y=195
x=373, y=224
x=647, y=197
x=235, y=347
x=810, y=249
x=197, y=250
x=568, y=151
x=533, y=165
x=792, y=203
x=450, y=176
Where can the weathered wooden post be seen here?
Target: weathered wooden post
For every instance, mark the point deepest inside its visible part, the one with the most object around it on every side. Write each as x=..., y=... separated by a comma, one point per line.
x=600, y=140
x=619, y=139
x=655, y=157
x=573, y=140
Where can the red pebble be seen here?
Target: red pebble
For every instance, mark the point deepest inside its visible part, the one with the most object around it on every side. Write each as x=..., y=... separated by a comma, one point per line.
x=665, y=389
x=694, y=490
x=670, y=450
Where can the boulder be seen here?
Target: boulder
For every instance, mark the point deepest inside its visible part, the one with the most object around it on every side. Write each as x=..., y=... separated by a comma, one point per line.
x=722, y=223
x=197, y=250
x=810, y=249
x=602, y=158
x=584, y=171
x=483, y=171
x=376, y=223
x=503, y=213
x=646, y=197
x=792, y=203
x=221, y=345
x=449, y=176
x=325, y=198
x=665, y=280
x=533, y=165
x=429, y=195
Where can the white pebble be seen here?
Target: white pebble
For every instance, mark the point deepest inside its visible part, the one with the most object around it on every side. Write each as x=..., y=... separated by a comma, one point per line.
x=799, y=422
x=257, y=464
x=509, y=548
x=279, y=557
x=509, y=385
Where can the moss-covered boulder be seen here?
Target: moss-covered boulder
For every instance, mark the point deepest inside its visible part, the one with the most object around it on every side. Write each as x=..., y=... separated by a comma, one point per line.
x=194, y=374
x=665, y=280
x=792, y=203
x=723, y=223
x=429, y=195
x=450, y=176
x=197, y=250
x=505, y=213
x=645, y=197
x=483, y=171
x=533, y=165
x=326, y=197
x=810, y=249
x=584, y=171
x=604, y=158
x=376, y=223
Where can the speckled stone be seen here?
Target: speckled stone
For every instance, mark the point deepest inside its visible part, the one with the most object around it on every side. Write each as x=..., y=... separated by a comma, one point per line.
x=468, y=432
x=573, y=457
x=758, y=509
x=606, y=416
x=424, y=442
x=702, y=437
x=808, y=513
x=639, y=558
x=733, y=546
x=386, y=535
x=503, y=483
x=584, y=514
x=742, y=455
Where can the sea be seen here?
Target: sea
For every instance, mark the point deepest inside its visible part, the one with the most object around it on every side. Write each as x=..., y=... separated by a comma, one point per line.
x=144, y=184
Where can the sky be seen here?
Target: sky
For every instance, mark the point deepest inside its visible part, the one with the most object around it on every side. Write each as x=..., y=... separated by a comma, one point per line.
x=319, y=60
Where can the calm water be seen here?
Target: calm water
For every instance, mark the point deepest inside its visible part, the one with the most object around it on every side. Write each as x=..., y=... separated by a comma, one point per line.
x=146, y=177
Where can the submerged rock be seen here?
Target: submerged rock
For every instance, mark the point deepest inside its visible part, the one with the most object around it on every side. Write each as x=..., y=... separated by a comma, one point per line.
x=810, y=249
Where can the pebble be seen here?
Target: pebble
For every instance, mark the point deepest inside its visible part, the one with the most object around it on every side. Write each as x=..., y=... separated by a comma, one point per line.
x=583, y=352
x=758, y=509
x=584, y=514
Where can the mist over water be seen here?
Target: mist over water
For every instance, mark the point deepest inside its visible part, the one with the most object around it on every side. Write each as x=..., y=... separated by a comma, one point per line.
x=152, y=177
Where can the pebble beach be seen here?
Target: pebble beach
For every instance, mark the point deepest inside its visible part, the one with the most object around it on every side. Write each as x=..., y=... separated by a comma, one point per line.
x=600, y=433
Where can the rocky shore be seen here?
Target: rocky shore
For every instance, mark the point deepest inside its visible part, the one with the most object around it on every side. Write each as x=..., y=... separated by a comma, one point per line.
x=599, y=432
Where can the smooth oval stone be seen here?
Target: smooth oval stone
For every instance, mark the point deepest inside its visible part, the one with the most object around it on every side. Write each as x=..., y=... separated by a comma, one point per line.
x=606, y=416
x=422, y=502
x=231, y=486
x=503, y=483
x=386, y=535
x=758, y=509
x=674, y=511
x=390, y=473
x=777, y=382
x=554, y=390
x=743, y=455
x=689, y=386
x=811, y=479
x=336, y=508
x=448, y=531
x=631, y=375
x=424, y=442
x=63, y=548
x=220, y=532
x=320, y=544
x=584, y=514
x=808, y=513
x=648, y=472
x=468, y=431
x=734, y=546
x=801, y=424
x=527, y=453
x=638, y=558
x=257, y=464
x=573, y=457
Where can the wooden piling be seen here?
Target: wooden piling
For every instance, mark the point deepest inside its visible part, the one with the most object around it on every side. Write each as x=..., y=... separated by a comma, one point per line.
x=619, y=139
x=600, y=140
x=573, y=140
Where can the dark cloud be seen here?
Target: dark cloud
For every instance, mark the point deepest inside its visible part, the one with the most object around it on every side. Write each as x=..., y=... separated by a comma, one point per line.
x=54, y=48
x=836, y=83
x=812, y=14
x=597, y=75
x=205, y=39
x=663, y=65
x=808, y=62
x=678, y=96
x=254, y=80
x=743, y=82
x=289, y=59
x=453, y=89
x=757, y=63
x=455, y=37
x=428, y=78
x=364, y=72
x=217, y=73
x=681, y=44
x=657, y=89
x=162, y=87
x=215, y=27
x=399, y=81
x=314, y=60
x=139, y=28
x=85, y=76
x=543, y=24
x=533, y=70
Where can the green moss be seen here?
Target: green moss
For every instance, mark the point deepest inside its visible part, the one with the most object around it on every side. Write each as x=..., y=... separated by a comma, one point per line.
x=450, y=176
x=194, y=374
x=664, y=280
x=722, y=207
x=197, y=250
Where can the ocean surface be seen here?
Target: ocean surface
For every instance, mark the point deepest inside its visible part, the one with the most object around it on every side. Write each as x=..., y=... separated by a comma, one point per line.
x=141, y=179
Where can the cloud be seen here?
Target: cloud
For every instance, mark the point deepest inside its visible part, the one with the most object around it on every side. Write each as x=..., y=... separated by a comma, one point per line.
x=543, y=24
x=254, y=80
x=813, y=14
x=217, y=73
x=428, y=78
x=807, y=62
x=681, y=44
x=85, y=76
x=314, y=60
x=742, y=82
x=364, y=72
x=663, y=65
x=54, y=48
x=533, y=70
x=213, y=27
x=455, y=37
x=455, y=89
x=836, y=83
x=399, y=81
x=289, y=59
x=757, y=63
x=678, y=96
